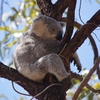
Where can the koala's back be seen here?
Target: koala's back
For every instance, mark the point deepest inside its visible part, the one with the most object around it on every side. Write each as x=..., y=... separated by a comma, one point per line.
x=31, y=48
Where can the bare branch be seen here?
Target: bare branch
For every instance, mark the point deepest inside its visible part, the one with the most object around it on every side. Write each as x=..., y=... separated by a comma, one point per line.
x=46, y=6
x=70, y=22
x=34, y=88
x=54, y=10
x=1, y=11
x=95, y=53
x=13, y=75
x=59, y=8
x=85, y=81
x=80, y=36
x=61, y=5
x=95, y=50
x=79, y=77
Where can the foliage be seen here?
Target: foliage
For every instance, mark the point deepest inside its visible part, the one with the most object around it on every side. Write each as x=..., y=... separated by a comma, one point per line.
x=2, y=96
x=13, y=25
x=85, y=94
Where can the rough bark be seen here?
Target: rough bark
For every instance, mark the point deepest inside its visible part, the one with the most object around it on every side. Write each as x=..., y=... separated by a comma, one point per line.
x=70, y=23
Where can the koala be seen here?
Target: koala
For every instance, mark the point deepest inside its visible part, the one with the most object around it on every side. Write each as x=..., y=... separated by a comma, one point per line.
x=37, y=52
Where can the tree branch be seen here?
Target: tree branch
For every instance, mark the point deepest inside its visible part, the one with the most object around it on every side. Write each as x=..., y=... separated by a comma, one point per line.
x=54, y=10
x=45, y=6
x=95, y=50
x=59, y=8
x=96, y=55
x=80, y=36
x=85, y=81
x=79, y=77
x=15, y=76
x=34, y=88
x=70, y=23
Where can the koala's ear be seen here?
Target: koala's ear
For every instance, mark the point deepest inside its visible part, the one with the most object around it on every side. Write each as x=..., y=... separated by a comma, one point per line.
x=62, y=24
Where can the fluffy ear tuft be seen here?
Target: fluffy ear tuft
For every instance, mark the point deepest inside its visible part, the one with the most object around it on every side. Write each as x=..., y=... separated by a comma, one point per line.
x=62, y=24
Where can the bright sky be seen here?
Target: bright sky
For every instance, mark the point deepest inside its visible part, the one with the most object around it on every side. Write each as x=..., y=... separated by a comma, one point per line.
x=85, y=51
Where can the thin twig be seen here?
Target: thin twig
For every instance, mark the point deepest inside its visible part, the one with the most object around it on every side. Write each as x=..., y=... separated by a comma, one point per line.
x=80, y=11
x=96, y=37
x=1, y=12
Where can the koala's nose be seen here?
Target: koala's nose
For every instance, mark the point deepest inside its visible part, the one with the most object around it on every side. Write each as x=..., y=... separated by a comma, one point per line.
x=59, y=35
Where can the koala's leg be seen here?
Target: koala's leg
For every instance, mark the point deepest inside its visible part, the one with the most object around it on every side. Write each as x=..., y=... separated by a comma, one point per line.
x=50, y=63
x=56, y=66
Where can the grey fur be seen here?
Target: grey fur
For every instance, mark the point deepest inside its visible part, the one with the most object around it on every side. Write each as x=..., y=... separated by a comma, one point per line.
x=36, y=53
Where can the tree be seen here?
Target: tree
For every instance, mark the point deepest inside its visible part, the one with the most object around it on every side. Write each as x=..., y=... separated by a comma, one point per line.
x=56, y=11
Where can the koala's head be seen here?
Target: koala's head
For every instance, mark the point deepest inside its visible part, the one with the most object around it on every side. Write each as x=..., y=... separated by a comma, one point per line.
x=47, y=27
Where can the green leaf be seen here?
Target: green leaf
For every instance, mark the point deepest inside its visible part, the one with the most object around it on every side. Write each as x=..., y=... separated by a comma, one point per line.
x=14, y=9
x=3, y=96
x=98, y=1
x=4, y=28
x=6, y=39
x=12, y=18
x=9, y=45
x=90, y=96
x=75, y=81
x=83, y=93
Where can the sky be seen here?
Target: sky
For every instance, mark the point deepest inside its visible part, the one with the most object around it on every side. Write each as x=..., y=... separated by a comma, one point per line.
x=88, y=8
